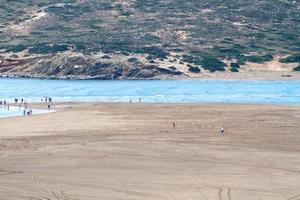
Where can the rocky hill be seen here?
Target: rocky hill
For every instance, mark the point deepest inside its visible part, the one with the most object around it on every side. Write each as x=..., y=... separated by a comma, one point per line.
x=147, y=39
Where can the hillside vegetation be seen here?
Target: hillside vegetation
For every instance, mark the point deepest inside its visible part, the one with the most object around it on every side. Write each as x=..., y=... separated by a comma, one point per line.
x=160, y=37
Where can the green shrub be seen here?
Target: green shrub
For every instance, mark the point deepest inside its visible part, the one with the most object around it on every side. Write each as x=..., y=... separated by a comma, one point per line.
x=291, y=59
x=259, y=59
x=234, y=65
x=16, y=48
x=172, y=68
x=191, y=59
x=234, y=69
x=241, y=60
x=106, y=57
x=155, y=52
x=194, y=69
x=133, y=60
x=213, y=64
x=80, y=46
x=46, y=48
x=297, y=69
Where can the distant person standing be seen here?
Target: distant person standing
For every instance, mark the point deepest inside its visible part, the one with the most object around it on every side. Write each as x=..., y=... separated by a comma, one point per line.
x=49, y=106
x=222, y=130
x=140, y=99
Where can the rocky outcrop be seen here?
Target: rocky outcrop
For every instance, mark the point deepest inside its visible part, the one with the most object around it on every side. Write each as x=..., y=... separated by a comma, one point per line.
x=80, y=66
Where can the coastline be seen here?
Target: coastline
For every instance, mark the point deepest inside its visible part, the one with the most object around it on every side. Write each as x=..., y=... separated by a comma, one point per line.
x=254, y=75
x=40, y=108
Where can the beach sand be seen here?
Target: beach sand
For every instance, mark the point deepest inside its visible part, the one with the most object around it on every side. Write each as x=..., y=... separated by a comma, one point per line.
x=92, y=151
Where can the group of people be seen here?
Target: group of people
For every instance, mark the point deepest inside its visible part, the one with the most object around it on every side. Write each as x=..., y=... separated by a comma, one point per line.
x=140, y=100
x=46, y=99
x=23, y=105
x=4, y=104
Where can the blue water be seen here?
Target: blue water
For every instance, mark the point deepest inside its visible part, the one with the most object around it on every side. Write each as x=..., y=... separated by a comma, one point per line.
x=190, y=91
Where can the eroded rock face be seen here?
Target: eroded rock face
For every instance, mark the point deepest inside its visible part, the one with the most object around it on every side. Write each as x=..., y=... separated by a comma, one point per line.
x=80, y=66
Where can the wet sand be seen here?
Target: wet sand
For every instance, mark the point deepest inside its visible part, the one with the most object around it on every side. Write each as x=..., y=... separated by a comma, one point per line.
x=123, y=151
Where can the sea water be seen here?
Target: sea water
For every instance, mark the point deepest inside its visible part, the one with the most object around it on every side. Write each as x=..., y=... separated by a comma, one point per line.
x=174, y=91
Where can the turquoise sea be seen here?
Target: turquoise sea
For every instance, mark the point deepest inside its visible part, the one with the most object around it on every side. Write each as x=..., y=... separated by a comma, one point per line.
x=190, y=91
x=171, y=91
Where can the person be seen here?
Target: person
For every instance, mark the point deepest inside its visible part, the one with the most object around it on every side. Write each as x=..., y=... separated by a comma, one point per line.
x=49, y=107
x=174, y=125
x=140, y=99
x=24, y=112
x=222, y=130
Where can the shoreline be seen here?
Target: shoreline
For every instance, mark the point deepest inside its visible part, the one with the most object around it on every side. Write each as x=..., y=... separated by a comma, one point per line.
x=39, y=108
x=222, y=76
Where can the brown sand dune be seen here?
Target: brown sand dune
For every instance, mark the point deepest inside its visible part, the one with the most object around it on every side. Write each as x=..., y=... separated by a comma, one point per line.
x=131, y=151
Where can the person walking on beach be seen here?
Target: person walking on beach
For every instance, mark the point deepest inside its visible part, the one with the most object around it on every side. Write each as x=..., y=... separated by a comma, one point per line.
x=221, y=130
x=49, y=106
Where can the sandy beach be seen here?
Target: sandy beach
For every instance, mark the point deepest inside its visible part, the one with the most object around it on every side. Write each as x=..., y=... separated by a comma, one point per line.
x=92, y=151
